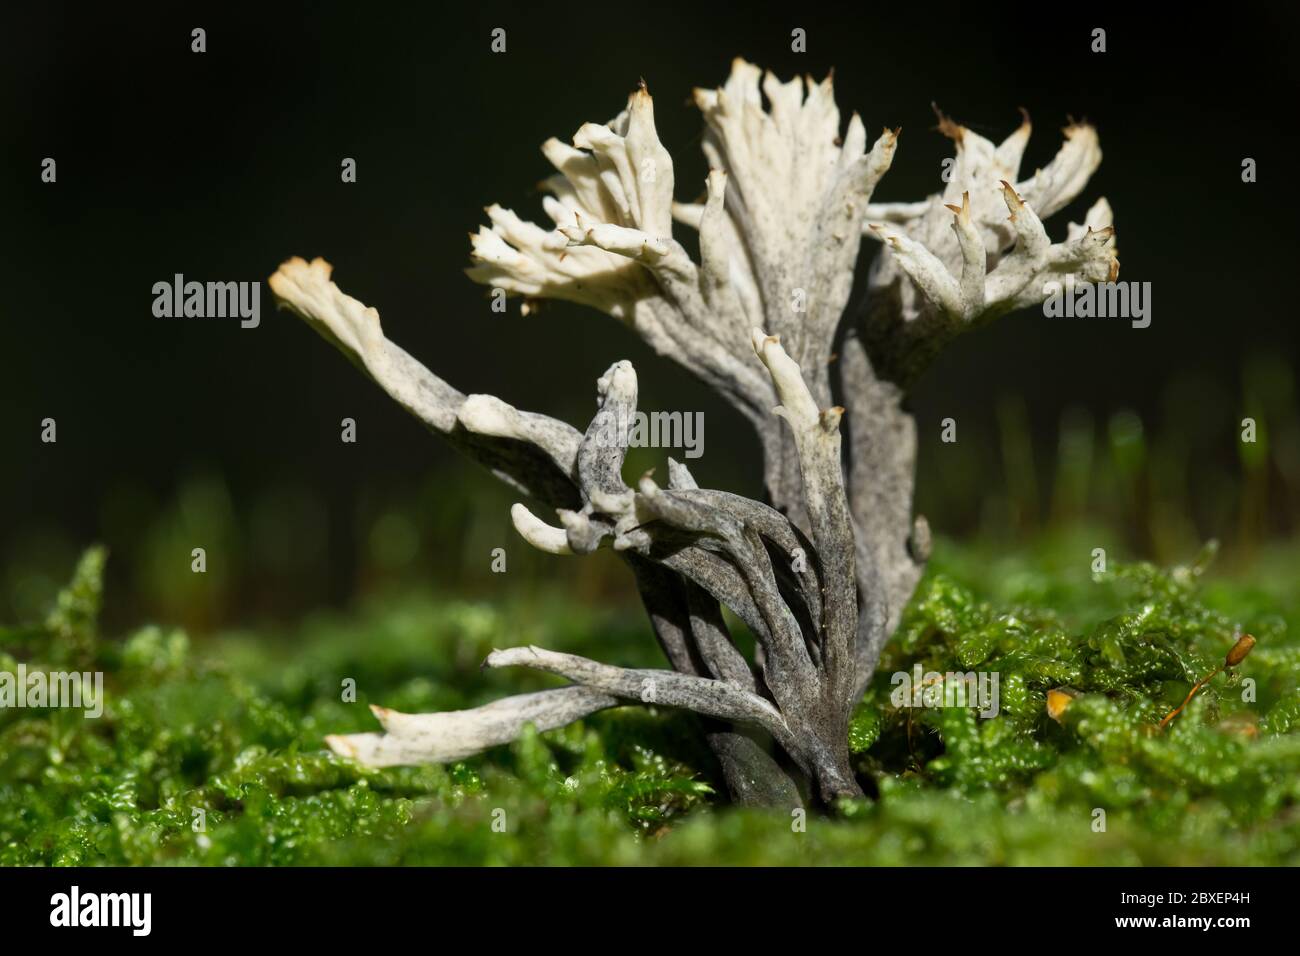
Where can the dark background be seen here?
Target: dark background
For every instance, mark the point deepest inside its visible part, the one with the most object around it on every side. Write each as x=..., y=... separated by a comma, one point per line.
x=221, y=165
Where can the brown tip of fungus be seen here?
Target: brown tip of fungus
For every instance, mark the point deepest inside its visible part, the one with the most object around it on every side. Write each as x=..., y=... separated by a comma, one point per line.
x=954, y=131
x=1244, y=645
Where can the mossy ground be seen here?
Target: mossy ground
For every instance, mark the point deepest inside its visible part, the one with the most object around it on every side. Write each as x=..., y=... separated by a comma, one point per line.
x=235, y=728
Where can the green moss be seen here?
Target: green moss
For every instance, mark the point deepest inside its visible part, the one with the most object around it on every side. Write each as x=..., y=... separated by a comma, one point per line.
x=234, y=729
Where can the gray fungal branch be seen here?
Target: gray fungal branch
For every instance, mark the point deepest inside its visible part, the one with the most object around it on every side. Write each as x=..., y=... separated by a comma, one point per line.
x=819, y=572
